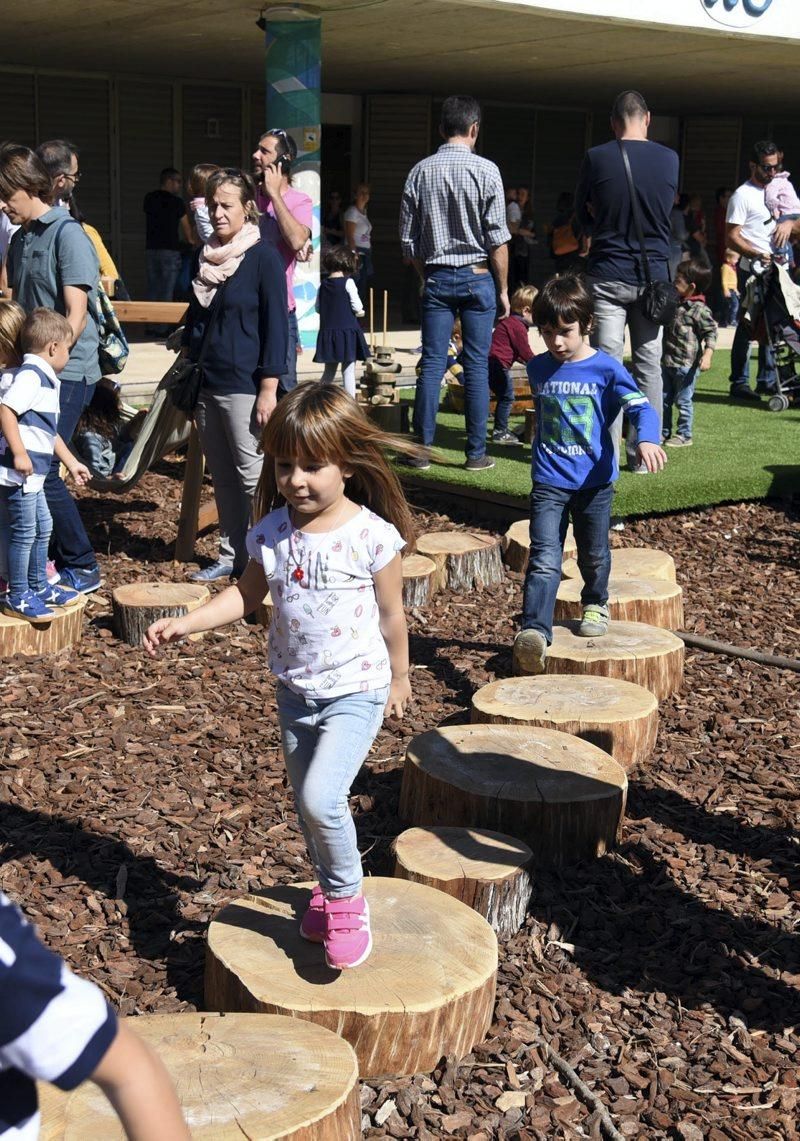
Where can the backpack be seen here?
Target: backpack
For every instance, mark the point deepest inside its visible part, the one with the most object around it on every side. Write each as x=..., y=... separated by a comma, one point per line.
x=113, y=349
x=563, y=240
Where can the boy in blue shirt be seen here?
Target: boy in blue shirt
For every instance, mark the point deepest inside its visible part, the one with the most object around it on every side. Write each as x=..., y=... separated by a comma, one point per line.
x=579, y=392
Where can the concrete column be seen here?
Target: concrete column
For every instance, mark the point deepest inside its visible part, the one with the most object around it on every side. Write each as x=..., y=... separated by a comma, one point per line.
x=293, y=63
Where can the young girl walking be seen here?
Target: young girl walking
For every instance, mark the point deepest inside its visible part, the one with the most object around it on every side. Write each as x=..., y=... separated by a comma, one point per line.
x=12, y=318
x=332, y=523
x=340, y=340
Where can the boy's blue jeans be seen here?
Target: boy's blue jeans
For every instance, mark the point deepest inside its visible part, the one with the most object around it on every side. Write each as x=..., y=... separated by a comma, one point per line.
x=450, y=292
x=551, y=508
x=501, y=382
x=26, y=522
x=678, y=390
x=324, y=745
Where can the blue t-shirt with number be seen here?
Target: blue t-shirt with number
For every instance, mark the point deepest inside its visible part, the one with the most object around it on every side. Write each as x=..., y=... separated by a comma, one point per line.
x=576, y=404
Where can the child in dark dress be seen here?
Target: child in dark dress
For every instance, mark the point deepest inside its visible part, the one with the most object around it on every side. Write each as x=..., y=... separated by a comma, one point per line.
x=340, y=340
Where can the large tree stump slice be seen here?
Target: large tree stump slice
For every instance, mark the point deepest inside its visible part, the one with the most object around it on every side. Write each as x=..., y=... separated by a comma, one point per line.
x=237, y=1076
x=615, y=715
x=486, y=870
x=562, y=796
x=138, y=604
x=517, y=545
x=65, y=629
x=464, y=560
x=654, y=601
x=426, y=990
x=631, y=562
x=419, y=574
x=649, y=656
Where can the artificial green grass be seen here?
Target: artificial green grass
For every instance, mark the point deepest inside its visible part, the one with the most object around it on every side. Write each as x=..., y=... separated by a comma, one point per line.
x=740, y=451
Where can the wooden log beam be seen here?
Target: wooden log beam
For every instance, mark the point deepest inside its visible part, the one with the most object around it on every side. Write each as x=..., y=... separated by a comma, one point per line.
x=190, y=499
x=236, y=1076
x=150, y=312
x=416, y=998
x=486, y=870
x=562, y=796
x=465, y=560
x=615, y=715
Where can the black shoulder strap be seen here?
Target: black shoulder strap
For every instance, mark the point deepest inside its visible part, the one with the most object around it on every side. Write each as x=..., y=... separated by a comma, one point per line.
x=637, y=218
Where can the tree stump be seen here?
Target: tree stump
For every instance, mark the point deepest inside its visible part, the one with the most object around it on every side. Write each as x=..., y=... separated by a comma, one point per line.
x=563, y=796
x=647, y=655
x=263, y=614
x=237, y=1076
x=632, y=562
x=464, y=560
x=615, y=715
x=517, y=545
x=651, y=600
x=486, y=870
x=64, y=629
x=530, y=425
x=138, y=604
x=418, y=575
x=426, y=990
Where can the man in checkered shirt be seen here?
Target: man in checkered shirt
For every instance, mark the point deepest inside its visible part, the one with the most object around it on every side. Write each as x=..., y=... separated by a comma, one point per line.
x=453, y=228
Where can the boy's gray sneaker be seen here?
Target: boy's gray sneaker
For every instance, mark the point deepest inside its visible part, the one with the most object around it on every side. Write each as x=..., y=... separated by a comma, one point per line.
x=530, y=651
x=594, y=623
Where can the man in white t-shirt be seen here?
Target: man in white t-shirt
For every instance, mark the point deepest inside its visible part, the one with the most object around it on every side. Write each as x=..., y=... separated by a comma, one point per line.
x=751, y=231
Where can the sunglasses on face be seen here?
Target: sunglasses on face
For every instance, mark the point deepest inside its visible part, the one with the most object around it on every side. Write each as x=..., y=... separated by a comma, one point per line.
x=769, y=168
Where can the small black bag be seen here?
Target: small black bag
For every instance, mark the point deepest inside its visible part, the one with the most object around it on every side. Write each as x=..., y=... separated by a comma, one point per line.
x=184, y=379
x=658, y=300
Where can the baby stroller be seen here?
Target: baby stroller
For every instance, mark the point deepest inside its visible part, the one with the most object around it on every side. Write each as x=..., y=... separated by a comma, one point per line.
x=772, y=302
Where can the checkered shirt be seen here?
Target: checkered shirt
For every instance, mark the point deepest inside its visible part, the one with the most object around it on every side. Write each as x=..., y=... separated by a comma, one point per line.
x=453, y=209
x=691, y=332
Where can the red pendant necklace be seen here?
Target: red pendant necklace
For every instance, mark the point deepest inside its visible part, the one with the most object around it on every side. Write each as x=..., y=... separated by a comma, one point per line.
x=297, y=557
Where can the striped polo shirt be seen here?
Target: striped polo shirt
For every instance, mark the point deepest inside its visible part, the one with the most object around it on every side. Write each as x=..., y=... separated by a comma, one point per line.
x=54, y=1027
x=33, y=395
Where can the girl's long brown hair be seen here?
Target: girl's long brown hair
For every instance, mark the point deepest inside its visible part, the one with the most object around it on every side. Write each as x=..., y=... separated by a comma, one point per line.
x=322, y=423
x=12, y=318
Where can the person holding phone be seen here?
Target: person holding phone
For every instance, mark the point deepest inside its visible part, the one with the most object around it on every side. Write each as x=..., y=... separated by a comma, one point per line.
x=285, y=223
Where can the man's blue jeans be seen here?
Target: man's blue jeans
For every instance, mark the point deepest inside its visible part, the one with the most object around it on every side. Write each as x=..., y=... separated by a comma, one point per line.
x=551, y=508
x=289, y=379
x=678, y=390
x=70, y=544
x=740, y=349
x=162, y=268
x=450, y=292
x=324, y=745
x=26, y=525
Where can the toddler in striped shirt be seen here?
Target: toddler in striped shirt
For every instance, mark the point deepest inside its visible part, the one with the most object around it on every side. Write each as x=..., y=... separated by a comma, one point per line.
x=28, y=438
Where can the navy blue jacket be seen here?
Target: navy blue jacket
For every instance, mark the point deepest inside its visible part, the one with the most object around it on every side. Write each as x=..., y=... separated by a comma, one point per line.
x=250, y=332
x=614, y=255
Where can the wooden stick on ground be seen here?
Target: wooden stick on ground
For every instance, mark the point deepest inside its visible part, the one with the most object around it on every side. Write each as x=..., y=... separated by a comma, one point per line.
x=587, y=1096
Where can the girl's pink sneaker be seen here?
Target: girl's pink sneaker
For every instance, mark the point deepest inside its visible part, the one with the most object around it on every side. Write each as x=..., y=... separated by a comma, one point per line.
x=348, y=939
x=312, y=925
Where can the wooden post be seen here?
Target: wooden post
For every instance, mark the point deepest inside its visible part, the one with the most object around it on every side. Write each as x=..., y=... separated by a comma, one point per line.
x=385, y=317
x=371, y=319
x=190, y=500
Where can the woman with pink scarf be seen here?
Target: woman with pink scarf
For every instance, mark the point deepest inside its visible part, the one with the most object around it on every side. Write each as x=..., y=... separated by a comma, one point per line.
x=239, y=296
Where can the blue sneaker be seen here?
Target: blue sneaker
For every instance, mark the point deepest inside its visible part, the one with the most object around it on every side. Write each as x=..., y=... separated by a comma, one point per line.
x=54, y=595
x=27, y=606
x=217, y=570
x=84, y=581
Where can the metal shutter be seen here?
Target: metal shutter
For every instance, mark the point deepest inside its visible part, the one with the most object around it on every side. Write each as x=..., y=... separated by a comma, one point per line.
x=560, y=147
x=212, y=125
x=710, y=149
x=398, y=134
x=17, y=108
x=145, y=148
x=78, y=109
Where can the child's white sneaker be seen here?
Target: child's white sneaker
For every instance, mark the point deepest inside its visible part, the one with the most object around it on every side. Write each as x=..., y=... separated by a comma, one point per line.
x=594, y=623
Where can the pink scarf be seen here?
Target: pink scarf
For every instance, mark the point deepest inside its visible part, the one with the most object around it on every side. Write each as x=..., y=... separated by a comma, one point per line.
x=219, y=262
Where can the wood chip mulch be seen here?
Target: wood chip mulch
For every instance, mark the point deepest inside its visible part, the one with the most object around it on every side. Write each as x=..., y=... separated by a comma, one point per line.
x=136, y=797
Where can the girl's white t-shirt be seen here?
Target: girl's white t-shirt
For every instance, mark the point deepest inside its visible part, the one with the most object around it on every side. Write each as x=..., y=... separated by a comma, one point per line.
x=324, y=637
x=363, y=226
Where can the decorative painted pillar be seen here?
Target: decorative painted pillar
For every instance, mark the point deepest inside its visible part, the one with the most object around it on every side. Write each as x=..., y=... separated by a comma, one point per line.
x=293, y=55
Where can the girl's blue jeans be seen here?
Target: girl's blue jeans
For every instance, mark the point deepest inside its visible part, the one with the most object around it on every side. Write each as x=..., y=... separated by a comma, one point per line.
x=27, y=525
x=324, y=745
x=678, y=386
x=551, y=508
